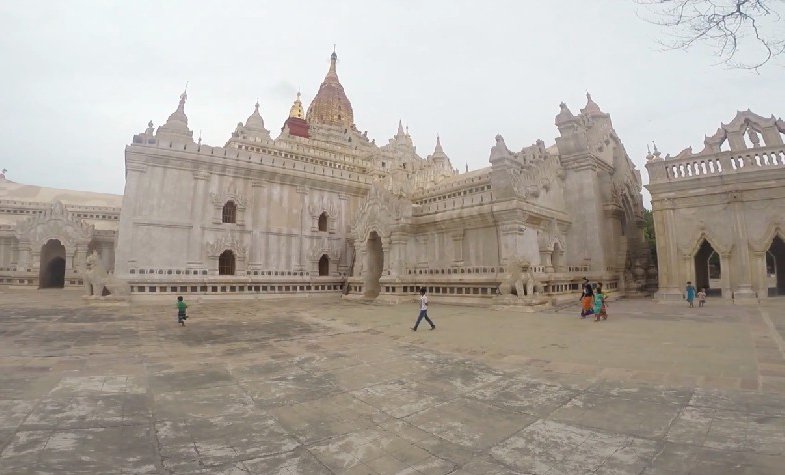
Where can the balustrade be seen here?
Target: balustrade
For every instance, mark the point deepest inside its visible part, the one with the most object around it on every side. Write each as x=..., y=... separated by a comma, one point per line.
x=728, y=162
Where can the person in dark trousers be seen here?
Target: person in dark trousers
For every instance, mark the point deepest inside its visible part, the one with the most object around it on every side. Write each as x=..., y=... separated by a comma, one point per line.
x=423, y=311
x=181, y=306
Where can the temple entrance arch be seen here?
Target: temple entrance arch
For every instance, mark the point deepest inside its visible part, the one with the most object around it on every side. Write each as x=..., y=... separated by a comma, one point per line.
x=708, y=269
x=324, y=265
x=374, y=265
x=51, y=272
x=775, y=267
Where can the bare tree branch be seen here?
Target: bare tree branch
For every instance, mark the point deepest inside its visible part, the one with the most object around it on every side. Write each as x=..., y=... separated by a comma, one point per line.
x=745, y=34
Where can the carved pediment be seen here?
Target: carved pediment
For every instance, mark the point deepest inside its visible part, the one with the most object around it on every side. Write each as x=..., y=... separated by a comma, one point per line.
x=230, y=194
x=228, y=241
x=322, y=247
x=318, y=206
x=759, y=131
x=54, y=223
x=690, y=243
x=381, y=211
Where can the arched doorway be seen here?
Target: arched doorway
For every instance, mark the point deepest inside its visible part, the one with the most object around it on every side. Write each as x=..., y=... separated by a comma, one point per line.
x=775, y=267
x=51, y=272
x=323, y=222
x=375, y=265
x=226, y=263
x=324, y=265
x=708, y=269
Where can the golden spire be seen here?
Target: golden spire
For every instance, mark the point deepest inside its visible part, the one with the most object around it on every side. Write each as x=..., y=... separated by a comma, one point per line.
x=330, y=106
x=297, y=108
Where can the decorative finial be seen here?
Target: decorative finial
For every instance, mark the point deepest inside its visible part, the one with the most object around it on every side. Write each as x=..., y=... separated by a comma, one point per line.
x=467, y=167
x=648, y=149
x=400, y=127
x=200, y=138
x=407, y=129
x=438, y=140
x=588, y=96
x=183, y=96
x=150, y=124
x=656, y=153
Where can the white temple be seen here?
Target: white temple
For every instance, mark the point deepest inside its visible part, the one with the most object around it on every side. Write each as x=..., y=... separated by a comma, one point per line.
x=321, y=208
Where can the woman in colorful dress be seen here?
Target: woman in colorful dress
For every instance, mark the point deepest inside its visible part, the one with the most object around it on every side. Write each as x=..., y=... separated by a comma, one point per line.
x=587, y=301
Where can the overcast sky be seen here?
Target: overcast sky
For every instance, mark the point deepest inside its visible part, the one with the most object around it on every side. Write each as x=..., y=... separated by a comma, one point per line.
x=80, y=78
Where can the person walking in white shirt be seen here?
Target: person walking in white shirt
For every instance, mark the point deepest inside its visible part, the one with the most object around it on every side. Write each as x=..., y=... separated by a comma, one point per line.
x=423, y=311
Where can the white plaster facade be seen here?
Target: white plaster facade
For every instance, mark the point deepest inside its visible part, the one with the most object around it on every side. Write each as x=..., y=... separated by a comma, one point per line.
x=719, y=214
x=46, y=233
x=322, y=208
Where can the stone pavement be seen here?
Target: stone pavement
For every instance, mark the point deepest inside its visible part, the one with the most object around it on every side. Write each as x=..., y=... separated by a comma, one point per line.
x=324, y=386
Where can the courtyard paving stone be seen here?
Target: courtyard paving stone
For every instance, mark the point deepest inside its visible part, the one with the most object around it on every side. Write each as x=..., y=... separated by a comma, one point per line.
x=329, y=386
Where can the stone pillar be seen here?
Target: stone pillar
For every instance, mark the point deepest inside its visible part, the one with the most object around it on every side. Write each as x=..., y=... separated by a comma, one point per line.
x=725, y=280
x=35, y=258
x=546, y=260
x=197, y=218
x=398, y=253
x=258, y=210
x=511, y=235
x=80, y=256
x=422, y=251
x=688, y=269
x=668, y=259
x=760, y=281
x=361, y=260
x=457, y=242
x=742, y=288
x=24, y=256
x=303, y=192
x=386, y=246
x=131, y=198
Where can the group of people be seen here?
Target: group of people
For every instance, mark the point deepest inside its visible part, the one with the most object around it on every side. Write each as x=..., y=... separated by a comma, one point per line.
x=689, y=295
x=593, y=301
x=182, y=316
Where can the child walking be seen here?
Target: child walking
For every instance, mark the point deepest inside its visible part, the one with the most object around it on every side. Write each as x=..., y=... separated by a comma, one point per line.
x=701, y=297
x=181, y=306
x=423, y=311
x=600, y=310
x=689, y=292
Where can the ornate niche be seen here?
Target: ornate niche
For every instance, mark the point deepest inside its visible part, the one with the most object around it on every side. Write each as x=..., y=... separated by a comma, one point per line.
x=321, y=249
x=324, y=215
x=53, y=223
x=229, y=241
x=228, y=202
x=552, y=245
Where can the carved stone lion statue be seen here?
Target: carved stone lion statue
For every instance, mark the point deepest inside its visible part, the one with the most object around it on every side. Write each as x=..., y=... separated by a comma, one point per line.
x=516, y=282
x=96, y=279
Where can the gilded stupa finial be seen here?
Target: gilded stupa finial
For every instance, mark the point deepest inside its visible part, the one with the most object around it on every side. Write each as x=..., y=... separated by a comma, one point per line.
x=297, y=108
